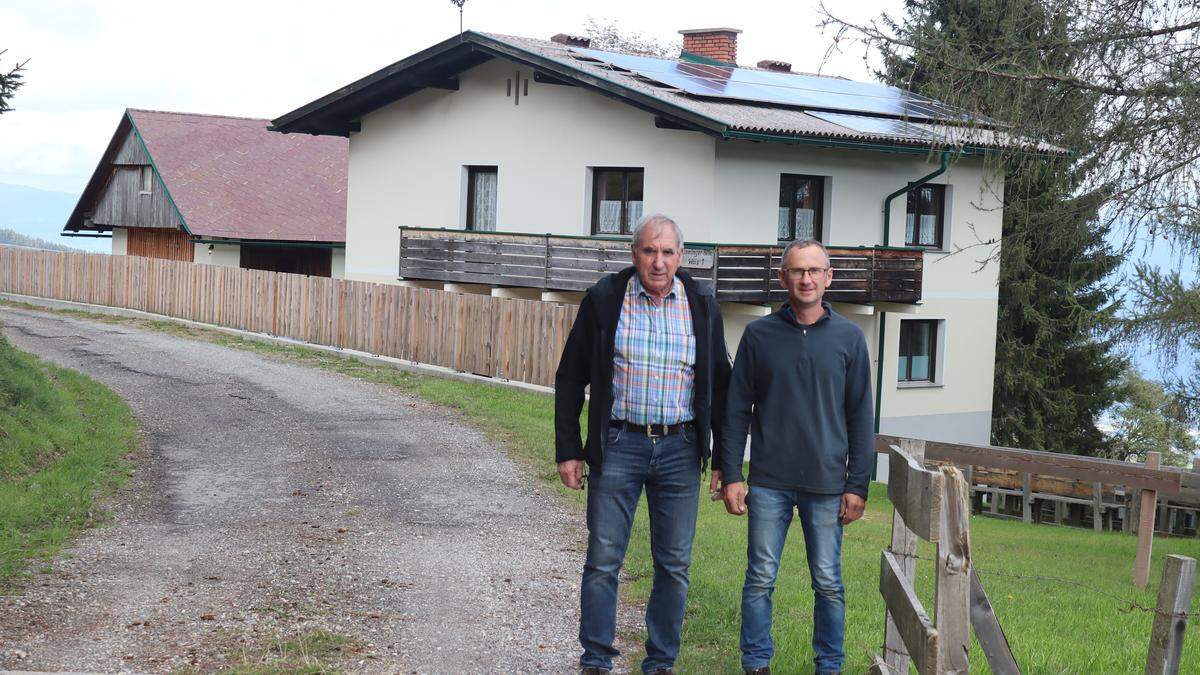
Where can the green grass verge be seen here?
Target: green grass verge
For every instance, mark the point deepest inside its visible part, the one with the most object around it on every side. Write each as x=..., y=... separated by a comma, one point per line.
x=311, y=652
x=63, y=437
x=1063, y=595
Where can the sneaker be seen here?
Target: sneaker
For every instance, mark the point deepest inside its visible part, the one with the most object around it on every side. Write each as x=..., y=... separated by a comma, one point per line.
x=593, y=670
x=761, y=670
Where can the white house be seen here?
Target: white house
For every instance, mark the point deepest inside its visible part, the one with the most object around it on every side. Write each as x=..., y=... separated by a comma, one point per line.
x=497, y=133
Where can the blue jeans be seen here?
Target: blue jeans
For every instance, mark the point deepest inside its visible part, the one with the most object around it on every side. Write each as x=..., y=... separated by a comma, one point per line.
x=669, y=468
x=770, y=515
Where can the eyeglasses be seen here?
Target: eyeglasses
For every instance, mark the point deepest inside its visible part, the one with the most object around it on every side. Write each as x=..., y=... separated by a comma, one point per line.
x=800, y=272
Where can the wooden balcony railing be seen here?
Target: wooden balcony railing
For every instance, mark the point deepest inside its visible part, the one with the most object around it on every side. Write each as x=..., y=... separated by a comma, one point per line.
x=738, y=273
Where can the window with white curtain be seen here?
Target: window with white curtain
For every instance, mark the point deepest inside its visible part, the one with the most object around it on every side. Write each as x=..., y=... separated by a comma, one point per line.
x=147, y=179
x=801, y=202
x=616, y=200
x=481, y=198
x=923, y=224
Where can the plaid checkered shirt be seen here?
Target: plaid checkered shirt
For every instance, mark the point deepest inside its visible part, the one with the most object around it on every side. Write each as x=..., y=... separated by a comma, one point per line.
x=654, y=357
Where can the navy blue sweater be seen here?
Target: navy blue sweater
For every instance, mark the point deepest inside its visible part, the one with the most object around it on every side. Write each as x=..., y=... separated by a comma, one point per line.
x=805, y=394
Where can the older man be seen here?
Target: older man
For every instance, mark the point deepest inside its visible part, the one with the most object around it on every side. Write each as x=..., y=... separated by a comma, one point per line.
x=802, y=384
x=650, y=343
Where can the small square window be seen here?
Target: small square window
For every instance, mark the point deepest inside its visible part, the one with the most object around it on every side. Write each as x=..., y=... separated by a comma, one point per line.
x=924, y=223
x=801, y=206
x=918, y=350
x=616, y=200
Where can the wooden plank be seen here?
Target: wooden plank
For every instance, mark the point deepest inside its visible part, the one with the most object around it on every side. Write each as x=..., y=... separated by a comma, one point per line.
x=953, y=580
x=1027, y=497
x=912, y=622
x=992, y=640
x=916, y=494
x=880, y=667
x=1141, y=564
x=1171, y=616
x=1098, y=507
x=904, y=550
x=1088, y=469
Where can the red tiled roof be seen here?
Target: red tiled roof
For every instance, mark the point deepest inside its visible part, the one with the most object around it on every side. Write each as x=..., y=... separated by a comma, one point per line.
x=231, y=177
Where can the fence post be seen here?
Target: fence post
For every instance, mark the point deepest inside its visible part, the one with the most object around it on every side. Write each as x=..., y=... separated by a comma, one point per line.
x=1098, y=507
x=1170, y=619
x=953, y=585
x=1027, y=497
x=1141, y=566
x=904, y=549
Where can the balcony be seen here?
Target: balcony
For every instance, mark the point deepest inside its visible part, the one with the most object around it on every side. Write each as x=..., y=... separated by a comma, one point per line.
x=738, y=273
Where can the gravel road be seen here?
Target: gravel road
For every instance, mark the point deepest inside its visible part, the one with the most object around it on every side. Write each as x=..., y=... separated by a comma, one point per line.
x=271, y=498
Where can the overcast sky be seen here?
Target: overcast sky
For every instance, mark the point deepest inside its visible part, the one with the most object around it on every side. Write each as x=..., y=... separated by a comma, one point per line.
x=89, y=60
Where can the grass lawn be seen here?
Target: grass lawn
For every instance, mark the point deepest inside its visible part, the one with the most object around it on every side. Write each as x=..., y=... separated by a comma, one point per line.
x=1062, y=594
x=62, y=440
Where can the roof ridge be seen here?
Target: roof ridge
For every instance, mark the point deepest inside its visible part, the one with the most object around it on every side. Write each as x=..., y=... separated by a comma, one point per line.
x=205, y=115
x=803, y=73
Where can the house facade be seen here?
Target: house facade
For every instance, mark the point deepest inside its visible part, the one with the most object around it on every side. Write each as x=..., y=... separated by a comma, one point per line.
x=491, y=133
x=220, y=191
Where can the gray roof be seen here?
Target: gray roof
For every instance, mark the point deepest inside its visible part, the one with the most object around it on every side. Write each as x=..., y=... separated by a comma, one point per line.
x=760, y=118
x=338, y=113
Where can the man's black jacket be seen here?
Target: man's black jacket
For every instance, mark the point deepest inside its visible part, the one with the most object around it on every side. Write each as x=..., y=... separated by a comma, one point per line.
x=587, y=359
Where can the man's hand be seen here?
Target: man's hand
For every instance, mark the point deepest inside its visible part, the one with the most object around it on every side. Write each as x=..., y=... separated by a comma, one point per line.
x=735, y=498
x=852, y=508
x=714, y=486
x=571, y=473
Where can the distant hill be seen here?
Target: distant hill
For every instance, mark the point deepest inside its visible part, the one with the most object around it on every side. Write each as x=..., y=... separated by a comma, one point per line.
x=40, y=214
x=15, y=238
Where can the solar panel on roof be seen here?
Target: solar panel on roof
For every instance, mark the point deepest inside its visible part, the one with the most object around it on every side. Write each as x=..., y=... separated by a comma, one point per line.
x=879, y=125
x=805, y=91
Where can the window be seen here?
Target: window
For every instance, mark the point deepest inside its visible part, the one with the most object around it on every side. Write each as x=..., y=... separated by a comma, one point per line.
x=918, y=350
x=481, y=198
x=147, y=179
x=800, y=202
x=616, y=200
x=926, y=208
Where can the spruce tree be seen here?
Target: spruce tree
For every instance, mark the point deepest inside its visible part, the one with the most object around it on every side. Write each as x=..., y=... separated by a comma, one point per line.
x=1056, y=370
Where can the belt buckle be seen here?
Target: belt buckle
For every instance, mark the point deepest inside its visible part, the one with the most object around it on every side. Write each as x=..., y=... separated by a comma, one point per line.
x=650, y=430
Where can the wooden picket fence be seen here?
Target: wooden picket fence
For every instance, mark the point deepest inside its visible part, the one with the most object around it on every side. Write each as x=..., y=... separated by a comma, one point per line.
x=504, y=338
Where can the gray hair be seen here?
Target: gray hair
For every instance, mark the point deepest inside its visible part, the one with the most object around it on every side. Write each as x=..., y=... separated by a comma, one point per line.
x=656, y=221
x=805, y=243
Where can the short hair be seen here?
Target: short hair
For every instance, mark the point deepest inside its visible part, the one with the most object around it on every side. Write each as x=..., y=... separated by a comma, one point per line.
x=656, y=221
x=805, y=243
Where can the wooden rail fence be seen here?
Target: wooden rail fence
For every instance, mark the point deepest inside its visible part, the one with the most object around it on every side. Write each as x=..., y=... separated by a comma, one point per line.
x=1050, y=476
x=496, y=337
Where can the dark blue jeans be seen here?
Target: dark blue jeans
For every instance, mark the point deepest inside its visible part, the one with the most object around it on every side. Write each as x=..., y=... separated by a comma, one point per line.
x=669, y=469
x=770, y=515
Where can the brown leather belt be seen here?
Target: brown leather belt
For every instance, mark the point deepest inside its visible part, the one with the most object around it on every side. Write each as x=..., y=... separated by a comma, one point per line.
x=651, y=430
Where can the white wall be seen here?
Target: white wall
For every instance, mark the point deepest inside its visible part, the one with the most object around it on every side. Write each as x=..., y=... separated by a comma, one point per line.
x=223, y=255
x=338, y=264
x=407, y=168
x=120, y=241
x=406, y=165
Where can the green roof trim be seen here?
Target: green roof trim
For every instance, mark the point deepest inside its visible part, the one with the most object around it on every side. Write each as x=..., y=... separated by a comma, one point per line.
x=269, y=242
x=163, y=183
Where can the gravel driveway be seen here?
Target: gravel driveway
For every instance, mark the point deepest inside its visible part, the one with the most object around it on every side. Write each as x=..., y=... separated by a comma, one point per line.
x=273, y=498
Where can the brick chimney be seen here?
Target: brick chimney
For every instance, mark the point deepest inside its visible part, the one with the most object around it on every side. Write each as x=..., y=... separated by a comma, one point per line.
x=719, y=44
x=571, y=40
x=777, y=66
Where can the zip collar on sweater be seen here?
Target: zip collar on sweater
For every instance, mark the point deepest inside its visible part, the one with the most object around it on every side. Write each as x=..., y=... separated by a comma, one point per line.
x=787, y=314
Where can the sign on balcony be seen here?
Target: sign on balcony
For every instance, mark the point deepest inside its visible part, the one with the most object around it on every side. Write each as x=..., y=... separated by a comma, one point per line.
x=698, y=259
